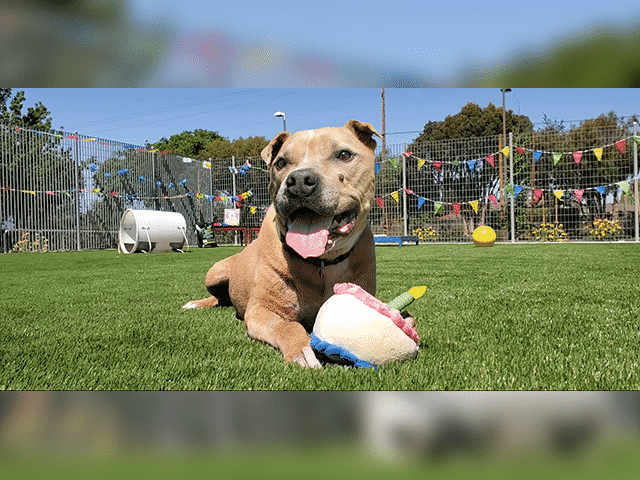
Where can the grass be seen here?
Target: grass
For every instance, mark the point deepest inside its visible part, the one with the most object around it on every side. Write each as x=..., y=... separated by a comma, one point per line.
x=534, y=316
x=285, y=462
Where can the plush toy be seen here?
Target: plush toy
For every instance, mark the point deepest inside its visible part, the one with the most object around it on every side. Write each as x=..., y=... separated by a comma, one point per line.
x=355, y=328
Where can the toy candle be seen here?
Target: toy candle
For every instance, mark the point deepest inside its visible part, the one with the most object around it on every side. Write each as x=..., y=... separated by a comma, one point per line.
x=403, y=301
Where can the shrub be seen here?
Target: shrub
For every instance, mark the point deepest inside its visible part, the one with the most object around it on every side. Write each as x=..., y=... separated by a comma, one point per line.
x=550, y=232
x=604, y=229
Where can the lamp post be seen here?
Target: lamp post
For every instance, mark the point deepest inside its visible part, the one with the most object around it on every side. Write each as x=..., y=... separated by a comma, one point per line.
x=504, y=143
x=284, y=121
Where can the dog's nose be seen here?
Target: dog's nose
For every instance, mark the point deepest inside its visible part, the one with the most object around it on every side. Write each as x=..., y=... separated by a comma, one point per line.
x=301, y=183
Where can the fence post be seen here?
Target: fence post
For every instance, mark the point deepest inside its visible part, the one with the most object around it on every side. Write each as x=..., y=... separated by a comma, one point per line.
x=77, y=183
x=635, y=175
x=513, y=200
x=404, y=191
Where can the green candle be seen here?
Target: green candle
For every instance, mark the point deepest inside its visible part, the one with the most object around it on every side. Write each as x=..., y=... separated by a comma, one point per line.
x=403, y=301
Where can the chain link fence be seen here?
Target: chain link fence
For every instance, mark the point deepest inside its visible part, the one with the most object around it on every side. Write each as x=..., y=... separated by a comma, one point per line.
x=67, y=191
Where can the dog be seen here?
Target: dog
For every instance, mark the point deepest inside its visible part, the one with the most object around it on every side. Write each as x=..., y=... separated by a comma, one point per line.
x=315, y=234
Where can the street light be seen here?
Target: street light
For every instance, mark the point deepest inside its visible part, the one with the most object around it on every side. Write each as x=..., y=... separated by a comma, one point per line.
x=504, y=115
x=284, y=121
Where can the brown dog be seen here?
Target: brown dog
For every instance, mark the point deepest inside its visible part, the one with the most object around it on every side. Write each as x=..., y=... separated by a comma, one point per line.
x=315, y=234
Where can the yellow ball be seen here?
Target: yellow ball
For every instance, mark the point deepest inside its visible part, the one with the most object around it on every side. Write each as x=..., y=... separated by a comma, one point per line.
x=484, y=236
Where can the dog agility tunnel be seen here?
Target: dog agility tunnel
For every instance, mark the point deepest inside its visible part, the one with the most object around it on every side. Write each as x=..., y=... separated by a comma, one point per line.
x=152, y=230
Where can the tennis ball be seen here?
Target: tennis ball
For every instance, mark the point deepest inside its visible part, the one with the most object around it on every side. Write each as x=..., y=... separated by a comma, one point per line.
x=484, y=236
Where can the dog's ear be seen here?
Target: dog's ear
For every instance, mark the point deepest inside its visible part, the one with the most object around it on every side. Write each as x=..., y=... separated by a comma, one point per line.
x=364, y=132
x=271, y=151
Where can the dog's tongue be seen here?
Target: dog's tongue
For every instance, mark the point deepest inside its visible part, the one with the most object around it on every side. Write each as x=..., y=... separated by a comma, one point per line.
x=308, y=236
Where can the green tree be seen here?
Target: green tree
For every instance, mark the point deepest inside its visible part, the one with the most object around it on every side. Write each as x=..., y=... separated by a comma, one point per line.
x=37, y=117
x=31, y=160
x=474, y=121
x=188, y=144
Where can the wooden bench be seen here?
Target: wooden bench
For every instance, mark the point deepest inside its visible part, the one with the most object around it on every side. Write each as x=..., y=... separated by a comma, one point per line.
x=399, y=239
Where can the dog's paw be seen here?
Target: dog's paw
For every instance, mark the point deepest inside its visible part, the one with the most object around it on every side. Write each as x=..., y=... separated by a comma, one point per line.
x=307, y=359
x=189, y=305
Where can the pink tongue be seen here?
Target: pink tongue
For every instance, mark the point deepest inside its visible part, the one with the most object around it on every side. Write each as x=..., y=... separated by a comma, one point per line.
x=309, y=239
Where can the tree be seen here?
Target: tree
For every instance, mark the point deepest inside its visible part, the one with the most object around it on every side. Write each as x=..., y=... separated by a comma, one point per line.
x=240, y=148
x=474, y=121
x=30, y=161
x=37, y=117
x=188, y=144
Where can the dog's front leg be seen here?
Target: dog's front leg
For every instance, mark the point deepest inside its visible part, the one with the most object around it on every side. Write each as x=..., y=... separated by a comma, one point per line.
x=289, y=337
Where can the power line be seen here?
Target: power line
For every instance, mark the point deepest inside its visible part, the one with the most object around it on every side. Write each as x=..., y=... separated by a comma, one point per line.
x=156, y=110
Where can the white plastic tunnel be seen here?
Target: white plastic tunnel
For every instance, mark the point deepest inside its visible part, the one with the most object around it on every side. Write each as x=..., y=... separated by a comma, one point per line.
x=152, y=230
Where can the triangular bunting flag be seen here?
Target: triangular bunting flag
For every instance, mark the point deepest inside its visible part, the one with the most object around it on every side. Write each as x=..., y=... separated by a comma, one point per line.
x=516, y=190
x=380, y=202
x=520, y=150
x=407, y=154
x=558, y=194
x=474, y=205
x=253, y=210
x=377, y=166
x=421, y=163
x=625, y=187
x=579, y=193
x=437, y=165
x=393, y=161
x=598, y=153
x=601, y=189
x=490, y=160
x=556, y=158
x=537, y=193
x=577, y=156
x=421, y=201
x=437, y=206
x=621, y=145
x=505, y=151
x=471, y=164
x=407, y=191
x=637, y=140
x=395, y=196
x=456, y=208
x=509, y=189
x=536, y=155
x=493, y=199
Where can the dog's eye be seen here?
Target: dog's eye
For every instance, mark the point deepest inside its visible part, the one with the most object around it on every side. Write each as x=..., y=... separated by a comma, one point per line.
x=345, y=155
x=280, y=163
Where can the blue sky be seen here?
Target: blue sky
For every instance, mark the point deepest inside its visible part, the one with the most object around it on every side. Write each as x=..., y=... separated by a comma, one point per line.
x=432, y=38
x=137, y=115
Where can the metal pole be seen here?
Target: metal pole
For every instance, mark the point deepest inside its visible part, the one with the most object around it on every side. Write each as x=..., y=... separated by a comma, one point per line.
x=404, y=191
x=635, y=175
x=75, y=161
x=233, y=194
x=513, y=200
x=384, y=131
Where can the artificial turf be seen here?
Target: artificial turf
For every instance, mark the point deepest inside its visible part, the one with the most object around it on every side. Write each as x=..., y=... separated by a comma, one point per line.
x=525, y=316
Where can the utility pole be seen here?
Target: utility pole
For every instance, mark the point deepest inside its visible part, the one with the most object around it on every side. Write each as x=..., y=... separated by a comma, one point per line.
x=384, y=133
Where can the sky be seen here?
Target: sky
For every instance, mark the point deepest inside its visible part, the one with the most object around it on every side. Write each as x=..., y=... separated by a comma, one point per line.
x=439, y=37
x=137, y=115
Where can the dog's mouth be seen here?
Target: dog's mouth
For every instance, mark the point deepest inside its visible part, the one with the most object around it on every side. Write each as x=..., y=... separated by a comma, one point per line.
x=311, y=234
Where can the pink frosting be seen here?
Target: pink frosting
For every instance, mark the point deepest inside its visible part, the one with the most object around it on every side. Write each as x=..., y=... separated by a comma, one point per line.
x=380, y=307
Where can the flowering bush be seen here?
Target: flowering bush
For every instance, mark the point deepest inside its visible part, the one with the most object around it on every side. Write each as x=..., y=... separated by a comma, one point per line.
x=604, y=229
x=26, y=244
x=425, y=234
x=550, y=232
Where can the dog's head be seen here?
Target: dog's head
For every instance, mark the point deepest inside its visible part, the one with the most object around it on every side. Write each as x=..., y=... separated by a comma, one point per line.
x=322, y=186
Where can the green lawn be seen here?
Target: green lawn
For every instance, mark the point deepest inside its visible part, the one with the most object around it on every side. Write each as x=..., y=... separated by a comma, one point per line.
x=535, y=316
x=619, y=460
